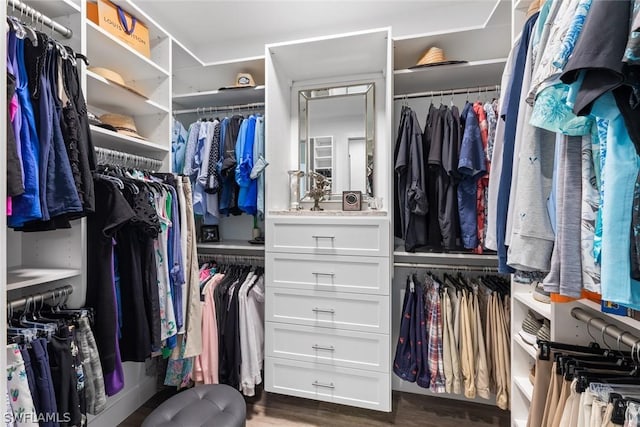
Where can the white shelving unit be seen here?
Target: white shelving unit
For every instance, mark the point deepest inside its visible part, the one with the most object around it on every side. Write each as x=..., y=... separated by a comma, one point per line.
x=298, y=277
x=218, y=98
x=106, y=138
x=232, y=247
x=524, y=386
x=527, y=348
x=199, y=86
x=111, y=97
x=116, y=53
x=526, y=298
x=23, y=277
x=485, y=49
x=152, y=115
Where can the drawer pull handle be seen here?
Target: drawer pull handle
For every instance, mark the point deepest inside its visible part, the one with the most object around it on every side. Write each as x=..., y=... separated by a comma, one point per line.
x=317, y=273
x=323, y=310
x=319, y=384
x=319, y=347
x=324, y=237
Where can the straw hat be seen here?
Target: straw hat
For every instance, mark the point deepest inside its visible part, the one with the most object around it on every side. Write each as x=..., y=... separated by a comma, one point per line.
x=122, y=124
x=435, y=56
x=114, y=78
x=242, y=80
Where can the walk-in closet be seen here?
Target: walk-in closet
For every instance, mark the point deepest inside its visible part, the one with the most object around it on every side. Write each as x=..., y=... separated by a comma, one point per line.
x=318, y=213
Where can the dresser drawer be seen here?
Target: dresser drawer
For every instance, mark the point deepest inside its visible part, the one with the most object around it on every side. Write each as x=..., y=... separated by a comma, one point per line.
x=351, y=387
x=358, y=312
x=335, y=347
x=330, y=236
x=328, y=273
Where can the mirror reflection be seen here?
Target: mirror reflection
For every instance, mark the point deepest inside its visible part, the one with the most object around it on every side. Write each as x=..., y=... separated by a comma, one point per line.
x=337, y=137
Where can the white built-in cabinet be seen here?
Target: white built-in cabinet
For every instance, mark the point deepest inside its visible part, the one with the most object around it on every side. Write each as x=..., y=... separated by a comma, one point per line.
x=327, y=298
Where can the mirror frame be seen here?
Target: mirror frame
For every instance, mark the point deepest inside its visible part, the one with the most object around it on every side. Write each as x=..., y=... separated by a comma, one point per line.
x=304, y=96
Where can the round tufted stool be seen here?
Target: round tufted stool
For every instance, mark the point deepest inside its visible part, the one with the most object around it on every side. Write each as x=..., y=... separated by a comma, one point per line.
x=215, y=405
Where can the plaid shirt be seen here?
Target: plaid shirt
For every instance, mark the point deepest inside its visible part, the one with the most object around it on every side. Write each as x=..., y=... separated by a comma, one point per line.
x=434, y=325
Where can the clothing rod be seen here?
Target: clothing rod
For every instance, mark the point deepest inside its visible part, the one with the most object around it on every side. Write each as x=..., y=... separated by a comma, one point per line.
x=40, y=17
x=485, y=269
x=204, y=110
x=121, y=159
x=605, y=328
x=43, y=296
x=434, y=93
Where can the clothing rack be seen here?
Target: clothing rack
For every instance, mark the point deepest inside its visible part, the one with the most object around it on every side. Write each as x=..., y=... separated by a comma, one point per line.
x=118, y=158
x=40, y=17
x=484, y=269
x=213, y=110
x=55, y=294
x=459, y=91
x=605, y=328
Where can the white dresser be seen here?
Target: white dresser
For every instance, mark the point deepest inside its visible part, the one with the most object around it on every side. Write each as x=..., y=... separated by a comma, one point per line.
x=328, y=309
x=328, y=273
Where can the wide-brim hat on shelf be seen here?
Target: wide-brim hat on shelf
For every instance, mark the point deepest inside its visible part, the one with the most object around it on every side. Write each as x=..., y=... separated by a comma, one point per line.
x=114, y=78
x=122, y=124
x=435, y=56
x=242, y=80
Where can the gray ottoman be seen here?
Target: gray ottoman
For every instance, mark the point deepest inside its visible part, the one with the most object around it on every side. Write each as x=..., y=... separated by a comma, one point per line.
x=215, y=405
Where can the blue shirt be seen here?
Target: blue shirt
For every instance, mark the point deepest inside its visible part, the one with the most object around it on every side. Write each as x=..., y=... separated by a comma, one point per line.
x=248, y=195
x=179, y=137
x=471, y=166
x=621, y=169
x=511, y=119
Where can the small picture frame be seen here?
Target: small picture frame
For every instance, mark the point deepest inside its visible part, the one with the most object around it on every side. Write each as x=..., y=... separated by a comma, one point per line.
x=209, y=233
x=351, y=200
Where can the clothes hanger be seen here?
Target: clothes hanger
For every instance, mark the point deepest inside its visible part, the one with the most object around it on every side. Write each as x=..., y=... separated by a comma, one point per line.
x=47, y=329
x=546, y=347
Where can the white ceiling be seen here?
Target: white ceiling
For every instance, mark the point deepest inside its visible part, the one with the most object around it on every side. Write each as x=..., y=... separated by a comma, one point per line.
x=224, y=30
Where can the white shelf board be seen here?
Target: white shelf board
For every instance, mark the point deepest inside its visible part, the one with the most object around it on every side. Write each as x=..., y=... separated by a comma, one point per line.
x=104, y=50
x=522, y=5
x=218, y=98
x=469, y=45
x=520, y=422
x=22, y=277
x=472, y=74
x=240, y=247
x=105, y=138
x=625, y=320
x=526, y=298
x=525, y=386
x=110, y=97
x=462, y=259
x=50, y=8
x=189, y=79
x=529, y=349
x=351, y=54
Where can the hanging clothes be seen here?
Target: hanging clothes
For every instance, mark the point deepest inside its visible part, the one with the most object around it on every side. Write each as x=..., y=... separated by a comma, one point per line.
x=225, y=162
x=411, y=181
x=453, y=336
x=50, y=151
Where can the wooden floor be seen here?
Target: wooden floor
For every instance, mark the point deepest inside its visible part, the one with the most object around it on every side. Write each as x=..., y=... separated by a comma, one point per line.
x=270, y=410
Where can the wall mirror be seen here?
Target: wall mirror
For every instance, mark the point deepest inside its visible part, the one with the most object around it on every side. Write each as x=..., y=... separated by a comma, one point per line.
x=337, y=137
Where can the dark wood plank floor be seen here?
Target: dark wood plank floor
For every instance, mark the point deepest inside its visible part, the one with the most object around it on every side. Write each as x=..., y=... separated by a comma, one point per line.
x=409, y=410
